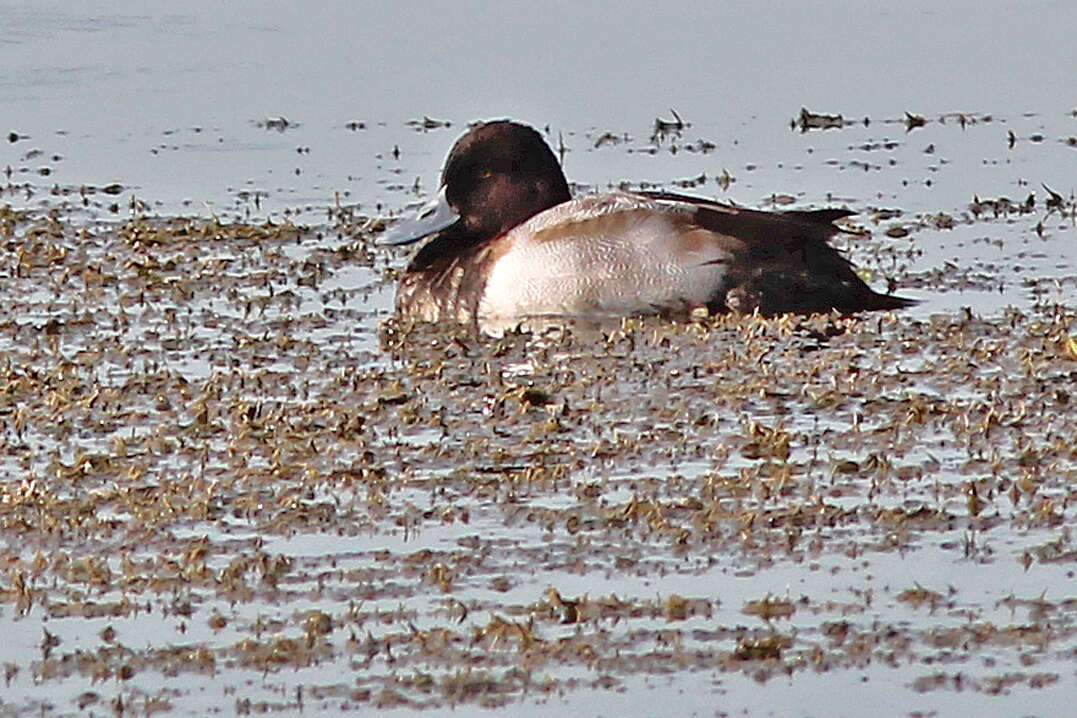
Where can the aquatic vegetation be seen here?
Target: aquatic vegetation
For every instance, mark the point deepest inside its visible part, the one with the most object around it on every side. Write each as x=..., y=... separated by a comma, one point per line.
x=230, y=474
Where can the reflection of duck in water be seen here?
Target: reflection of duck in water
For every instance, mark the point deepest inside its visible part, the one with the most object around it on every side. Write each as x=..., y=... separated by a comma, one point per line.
x=510, y=243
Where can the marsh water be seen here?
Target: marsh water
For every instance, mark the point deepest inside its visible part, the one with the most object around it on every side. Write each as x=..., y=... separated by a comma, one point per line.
x=232, y=483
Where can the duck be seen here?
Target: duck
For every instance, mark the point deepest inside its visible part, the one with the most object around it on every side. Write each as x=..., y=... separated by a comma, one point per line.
x=506, y=242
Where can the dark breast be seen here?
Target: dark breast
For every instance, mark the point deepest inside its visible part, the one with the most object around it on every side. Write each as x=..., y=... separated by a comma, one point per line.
x=444, y=281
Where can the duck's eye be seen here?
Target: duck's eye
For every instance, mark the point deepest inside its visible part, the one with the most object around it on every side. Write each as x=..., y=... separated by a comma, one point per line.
x=486, y=174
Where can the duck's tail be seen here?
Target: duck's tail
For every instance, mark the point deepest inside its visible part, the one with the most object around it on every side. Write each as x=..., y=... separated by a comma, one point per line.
x=882, y=302
x=849, y=293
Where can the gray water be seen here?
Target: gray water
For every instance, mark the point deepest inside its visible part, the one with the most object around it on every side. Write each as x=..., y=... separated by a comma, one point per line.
x=170, y=102
x=182, y=108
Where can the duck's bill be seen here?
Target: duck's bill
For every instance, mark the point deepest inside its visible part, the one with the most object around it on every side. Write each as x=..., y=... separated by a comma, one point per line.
x=433, y=216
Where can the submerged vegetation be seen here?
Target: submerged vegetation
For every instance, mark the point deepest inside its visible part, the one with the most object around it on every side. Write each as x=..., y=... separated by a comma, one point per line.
x=231, y=481
x=220, y=465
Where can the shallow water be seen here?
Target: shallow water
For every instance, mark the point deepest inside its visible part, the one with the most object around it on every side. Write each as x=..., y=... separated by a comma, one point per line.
x=229, y=484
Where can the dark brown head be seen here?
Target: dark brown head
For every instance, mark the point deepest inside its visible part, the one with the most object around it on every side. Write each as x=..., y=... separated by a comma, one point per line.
x=498, y=175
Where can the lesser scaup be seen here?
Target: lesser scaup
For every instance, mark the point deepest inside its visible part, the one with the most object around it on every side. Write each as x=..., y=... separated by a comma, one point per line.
x=510, y=243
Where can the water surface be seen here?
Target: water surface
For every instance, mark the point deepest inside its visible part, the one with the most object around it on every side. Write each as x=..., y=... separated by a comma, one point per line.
x=230, y=484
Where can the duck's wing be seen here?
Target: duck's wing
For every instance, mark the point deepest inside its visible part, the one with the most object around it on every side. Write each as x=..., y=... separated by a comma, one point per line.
x=787, y=264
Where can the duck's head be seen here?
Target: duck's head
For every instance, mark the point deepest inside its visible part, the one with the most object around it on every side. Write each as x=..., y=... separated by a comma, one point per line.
x=497, y=176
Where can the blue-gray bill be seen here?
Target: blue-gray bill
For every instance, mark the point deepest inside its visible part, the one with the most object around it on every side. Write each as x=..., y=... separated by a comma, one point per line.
x=432, y=217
